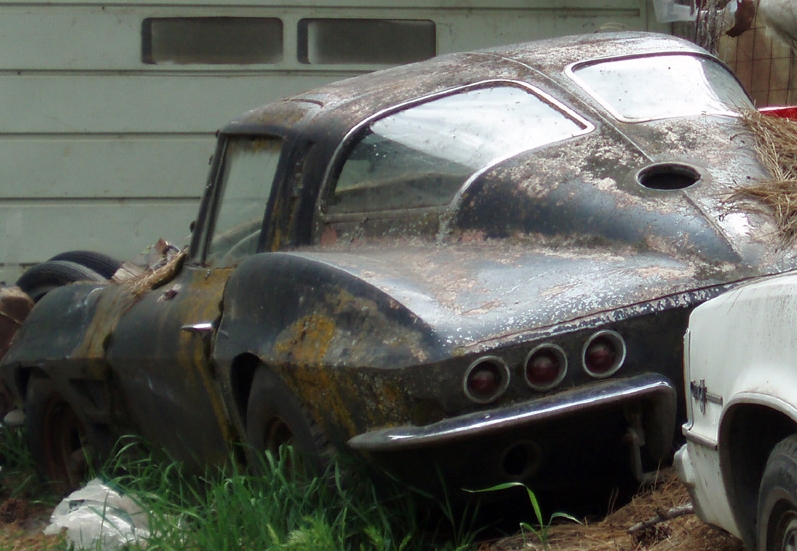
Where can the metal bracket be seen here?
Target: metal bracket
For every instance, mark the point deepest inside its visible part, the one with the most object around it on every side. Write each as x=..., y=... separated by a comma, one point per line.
x=701, y=395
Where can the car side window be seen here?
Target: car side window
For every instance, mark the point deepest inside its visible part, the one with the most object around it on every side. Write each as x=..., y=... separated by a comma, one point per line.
x=422, y=156
x=247, y=177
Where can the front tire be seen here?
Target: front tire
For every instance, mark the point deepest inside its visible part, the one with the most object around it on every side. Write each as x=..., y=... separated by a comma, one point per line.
x=59, y=440
x=777, y=499
x=276, y=419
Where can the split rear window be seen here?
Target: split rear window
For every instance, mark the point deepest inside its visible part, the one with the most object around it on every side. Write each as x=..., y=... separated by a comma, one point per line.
x=422, y=156
x=644, y=88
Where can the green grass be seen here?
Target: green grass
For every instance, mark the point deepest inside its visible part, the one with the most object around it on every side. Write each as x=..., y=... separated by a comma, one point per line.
x=540, y=530
x=232, y=509
x=18, y=478
x=229, y=509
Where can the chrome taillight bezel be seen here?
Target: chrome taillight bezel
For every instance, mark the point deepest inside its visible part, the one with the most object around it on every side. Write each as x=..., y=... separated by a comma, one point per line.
x=620, y=353
x=555, y=350
x=501, y=368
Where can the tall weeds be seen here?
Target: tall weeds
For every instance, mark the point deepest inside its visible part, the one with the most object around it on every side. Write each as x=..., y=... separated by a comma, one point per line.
x=232, y=509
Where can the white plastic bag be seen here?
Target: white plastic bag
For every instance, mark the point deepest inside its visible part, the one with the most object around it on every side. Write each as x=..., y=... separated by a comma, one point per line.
x=99, y=518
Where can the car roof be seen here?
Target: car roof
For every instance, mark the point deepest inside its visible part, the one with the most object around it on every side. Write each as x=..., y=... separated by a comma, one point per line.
x=343, y=104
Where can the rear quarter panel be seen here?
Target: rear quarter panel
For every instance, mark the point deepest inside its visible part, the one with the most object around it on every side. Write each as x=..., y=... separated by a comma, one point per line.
x=338, y=343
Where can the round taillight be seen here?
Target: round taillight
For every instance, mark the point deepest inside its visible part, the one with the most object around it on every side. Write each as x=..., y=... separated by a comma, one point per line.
x=546, y=366
x=604, y=354
x=486, y=379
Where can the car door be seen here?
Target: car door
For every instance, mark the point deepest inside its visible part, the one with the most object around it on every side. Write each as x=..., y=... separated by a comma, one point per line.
x=161, y=349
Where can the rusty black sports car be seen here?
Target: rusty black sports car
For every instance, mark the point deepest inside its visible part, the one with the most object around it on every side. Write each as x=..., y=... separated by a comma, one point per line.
x=473, y=269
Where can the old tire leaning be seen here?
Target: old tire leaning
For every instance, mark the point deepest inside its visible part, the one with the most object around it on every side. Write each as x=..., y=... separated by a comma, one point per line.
x=777, y=499
x=103, y=264
x=59, y=441
x=275, y=418
x=42, y=278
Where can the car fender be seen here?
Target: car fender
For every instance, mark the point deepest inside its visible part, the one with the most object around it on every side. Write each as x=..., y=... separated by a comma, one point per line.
x=52, y=334
x=740, y=383
x=288, y=308
x=327, y=333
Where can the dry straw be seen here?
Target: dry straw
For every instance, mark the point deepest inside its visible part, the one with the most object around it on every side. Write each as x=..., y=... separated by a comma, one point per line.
x=156, y=277
x=776, y=145
x=686, y=533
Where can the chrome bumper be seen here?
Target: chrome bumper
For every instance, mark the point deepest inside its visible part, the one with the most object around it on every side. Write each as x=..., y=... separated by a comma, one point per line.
x=653, y=389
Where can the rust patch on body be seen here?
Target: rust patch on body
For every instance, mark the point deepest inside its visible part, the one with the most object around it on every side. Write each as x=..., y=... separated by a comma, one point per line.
x=114, y=301
x=328, y=358
x=308, y=339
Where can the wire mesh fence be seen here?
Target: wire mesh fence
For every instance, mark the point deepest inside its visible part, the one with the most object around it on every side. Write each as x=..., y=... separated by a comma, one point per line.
x=765, y=65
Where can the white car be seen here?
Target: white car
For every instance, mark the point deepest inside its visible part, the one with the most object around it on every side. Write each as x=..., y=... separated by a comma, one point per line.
x=740, y=457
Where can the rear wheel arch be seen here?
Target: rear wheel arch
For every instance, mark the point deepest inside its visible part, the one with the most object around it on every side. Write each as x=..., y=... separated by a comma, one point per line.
x=748, y=434
x=242, y=372
x=22, y=377
x=275, y=416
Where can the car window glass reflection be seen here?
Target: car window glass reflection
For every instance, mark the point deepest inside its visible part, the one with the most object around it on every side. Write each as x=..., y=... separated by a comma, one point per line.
x=648, y=88
x=421, y=157
x=249, y=169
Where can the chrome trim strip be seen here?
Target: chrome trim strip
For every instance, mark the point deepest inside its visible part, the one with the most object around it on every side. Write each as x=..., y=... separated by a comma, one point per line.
x=200, y=328
x=700, y=440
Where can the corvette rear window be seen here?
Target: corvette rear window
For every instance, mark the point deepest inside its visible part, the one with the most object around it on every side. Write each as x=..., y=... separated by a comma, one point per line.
x=644, y=88
x=421, y=156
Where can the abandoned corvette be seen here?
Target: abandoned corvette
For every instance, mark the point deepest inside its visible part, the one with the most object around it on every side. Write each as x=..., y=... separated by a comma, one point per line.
x=469, y=270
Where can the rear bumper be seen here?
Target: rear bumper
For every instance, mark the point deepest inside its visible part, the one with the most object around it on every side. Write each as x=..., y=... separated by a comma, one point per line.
x=655, y=390
x=584, y=441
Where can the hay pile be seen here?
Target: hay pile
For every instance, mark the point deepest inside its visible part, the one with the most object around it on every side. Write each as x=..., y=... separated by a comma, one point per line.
x=159, y=266
x=686, y=533
x=776, y=145
x=155, y=277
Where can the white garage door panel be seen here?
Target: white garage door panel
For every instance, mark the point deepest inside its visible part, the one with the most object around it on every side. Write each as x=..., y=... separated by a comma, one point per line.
x=104, y=167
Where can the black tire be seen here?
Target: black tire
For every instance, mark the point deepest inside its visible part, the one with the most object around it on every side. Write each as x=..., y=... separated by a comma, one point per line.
x=777, y=499
x=42, y=278
x=275, y=418
x=60, y=443
x=103, y=264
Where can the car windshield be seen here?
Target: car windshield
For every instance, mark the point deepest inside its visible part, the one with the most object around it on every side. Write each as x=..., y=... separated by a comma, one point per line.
x=638, y=89
x=250, y=165
x=421, y=156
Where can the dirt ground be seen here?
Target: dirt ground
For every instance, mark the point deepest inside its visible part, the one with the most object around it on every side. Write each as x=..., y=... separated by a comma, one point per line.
x=21, y=525
x=685, y=533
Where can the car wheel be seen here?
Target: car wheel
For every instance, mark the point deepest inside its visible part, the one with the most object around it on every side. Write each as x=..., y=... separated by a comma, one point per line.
x=42, y=278
x=276, y=419
x=777, y=499
x=103, y=264
x=59, y=442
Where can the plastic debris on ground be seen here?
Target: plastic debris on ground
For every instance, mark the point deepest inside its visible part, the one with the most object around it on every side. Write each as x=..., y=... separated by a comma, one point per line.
x=99, y=518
